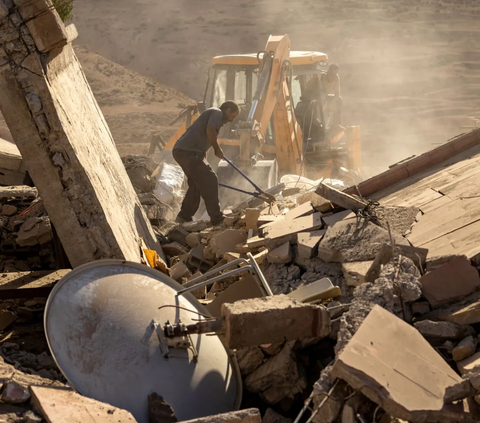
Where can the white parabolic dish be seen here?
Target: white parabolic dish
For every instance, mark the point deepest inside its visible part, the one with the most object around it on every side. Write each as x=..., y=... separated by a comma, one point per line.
x=97, y=323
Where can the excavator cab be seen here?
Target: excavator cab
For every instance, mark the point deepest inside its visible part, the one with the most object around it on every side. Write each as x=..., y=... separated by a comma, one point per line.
x=286, y=124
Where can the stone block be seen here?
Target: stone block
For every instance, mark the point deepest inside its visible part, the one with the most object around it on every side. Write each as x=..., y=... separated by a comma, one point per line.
x=451, y=281
x=178, y=234
x=307, y=243
x=355, y=272
x=337, y=217
x=350, y=240
x=391, y=363
x=46, y=28
x=14, y=393
x=465, y=348
x=280, y=255
x=470, y=364
x=272, y=319
x=179, y=270
x=443, y=330
x=193, y=239
x=225, y=241
x=250, y=415
x=278, y=378
x=174, y=249
x=464, y=312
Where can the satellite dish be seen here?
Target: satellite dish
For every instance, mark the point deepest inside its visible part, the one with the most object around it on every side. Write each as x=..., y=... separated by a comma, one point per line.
x=98, y=323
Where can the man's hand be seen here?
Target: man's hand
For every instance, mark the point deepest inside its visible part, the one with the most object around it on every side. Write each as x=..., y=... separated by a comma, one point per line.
x=219, y=153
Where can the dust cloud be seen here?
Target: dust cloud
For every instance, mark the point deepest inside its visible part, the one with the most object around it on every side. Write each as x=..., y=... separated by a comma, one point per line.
x=409, y=68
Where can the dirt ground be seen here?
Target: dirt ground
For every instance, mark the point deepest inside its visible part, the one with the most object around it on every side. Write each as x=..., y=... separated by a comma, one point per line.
x=409, y=68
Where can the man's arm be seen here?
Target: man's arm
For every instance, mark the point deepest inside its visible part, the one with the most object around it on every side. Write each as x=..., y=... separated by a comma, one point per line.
x=212, y=138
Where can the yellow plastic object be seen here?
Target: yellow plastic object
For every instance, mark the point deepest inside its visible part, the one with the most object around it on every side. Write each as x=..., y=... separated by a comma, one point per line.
x=155, y=261
x=316, y=291
x=296, y=57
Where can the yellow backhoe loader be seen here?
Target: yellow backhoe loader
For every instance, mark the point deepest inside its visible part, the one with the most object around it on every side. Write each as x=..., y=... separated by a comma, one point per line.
x=271, y=138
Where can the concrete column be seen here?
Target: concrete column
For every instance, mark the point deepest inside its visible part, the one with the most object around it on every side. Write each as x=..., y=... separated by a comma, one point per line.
x=62, y=135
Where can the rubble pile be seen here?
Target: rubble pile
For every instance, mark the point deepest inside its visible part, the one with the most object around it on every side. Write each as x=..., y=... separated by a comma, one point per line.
x=370, y=264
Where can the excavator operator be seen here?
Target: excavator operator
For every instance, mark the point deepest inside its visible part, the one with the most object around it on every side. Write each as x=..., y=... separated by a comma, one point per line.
x=190, y=153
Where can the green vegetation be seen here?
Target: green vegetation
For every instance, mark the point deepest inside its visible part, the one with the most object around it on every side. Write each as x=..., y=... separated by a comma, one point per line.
x=64, y=8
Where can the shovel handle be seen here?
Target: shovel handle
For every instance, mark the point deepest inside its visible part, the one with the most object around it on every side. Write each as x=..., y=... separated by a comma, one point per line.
x=243, y=174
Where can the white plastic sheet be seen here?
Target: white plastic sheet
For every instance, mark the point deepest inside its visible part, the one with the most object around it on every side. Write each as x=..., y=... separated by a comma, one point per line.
x=169, y=183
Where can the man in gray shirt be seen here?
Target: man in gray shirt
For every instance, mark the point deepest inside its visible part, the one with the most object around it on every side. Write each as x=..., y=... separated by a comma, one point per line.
x=190, y=151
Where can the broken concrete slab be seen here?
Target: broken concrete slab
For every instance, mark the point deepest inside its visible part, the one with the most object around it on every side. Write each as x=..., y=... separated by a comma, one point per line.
x=88, y=197
x=349, y=241
x=337, y=217
x=465, y=348
x=400, y=219
x=178, y=234
x=224, y=242
x=435, y=262
x=242, y=317
x=389, y=362
x=355, y=272
x=250, y=415
x=340, y=198
x=443, y=330
x=464, y=312
x=36, y=230
x=322, y=289
x=278, y=378
x=451, y=281
x=301, y=224
x=307, y=243
x=61, y=405
x=280, y=255
x=470, y=364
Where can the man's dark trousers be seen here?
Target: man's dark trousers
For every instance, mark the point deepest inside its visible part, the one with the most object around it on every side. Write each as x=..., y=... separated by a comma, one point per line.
x=202, y=182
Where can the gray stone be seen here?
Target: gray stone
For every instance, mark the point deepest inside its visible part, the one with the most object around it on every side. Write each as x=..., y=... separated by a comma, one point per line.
x=159, y=411
x=193, y=239
x=443, y=330
x=31, y=417
x=249, y=359
x=465, y=348
x=280, y=377
x=14, y=393
x=459, y=391
x=272, y=416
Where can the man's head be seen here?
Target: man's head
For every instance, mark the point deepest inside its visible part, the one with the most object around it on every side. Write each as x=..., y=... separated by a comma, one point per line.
x=230, y=111
x=333, y=69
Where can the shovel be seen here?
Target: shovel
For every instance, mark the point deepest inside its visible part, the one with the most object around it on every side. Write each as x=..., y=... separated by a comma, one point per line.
x=259, y=193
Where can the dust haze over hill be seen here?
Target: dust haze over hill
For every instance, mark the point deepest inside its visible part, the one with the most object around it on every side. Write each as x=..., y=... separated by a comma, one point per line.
x=409, y=68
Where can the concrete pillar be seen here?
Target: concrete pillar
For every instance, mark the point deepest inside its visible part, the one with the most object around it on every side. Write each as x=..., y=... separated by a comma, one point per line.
x=62, y=135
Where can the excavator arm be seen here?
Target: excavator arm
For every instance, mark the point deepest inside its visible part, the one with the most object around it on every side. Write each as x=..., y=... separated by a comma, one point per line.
x=273, y=98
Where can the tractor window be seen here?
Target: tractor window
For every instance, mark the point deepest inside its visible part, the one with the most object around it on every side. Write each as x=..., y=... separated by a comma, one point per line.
x=220, y=88
x=296, y=90
x=241, y=87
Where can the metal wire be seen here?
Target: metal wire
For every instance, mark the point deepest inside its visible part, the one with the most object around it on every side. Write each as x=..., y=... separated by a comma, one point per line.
x=185, y=309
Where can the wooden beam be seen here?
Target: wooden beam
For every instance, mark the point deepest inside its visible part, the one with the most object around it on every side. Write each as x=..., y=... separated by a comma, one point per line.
x=340, y=198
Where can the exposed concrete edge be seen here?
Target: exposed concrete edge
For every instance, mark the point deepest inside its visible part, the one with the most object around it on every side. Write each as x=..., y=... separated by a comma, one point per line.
x=417, y=164
x=375, y=392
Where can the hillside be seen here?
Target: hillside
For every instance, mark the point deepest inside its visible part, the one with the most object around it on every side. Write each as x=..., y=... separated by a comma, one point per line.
x=409, y=68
